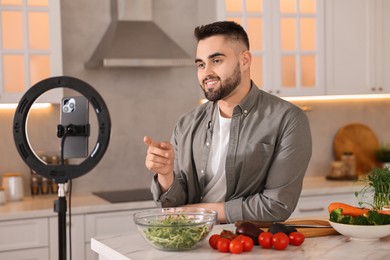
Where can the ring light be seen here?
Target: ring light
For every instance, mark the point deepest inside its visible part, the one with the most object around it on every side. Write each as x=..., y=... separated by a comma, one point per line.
x=61, y=173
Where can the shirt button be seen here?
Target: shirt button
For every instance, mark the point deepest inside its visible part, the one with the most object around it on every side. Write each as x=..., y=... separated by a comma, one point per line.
x=245, y=111
x=202, y=171
x=207, y=144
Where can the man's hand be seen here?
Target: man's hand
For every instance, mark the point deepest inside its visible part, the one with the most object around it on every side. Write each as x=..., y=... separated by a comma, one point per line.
x=160, y=159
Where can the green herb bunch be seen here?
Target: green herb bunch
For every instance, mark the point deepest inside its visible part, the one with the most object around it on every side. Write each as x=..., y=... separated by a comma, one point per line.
x=176, y=233
x=379, y=179
x=379, y=183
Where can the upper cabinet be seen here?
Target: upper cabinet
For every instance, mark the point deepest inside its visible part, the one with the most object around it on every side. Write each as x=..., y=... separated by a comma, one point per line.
x=286, y=39
x=357, y=46
x=30, y=47
x=316, y=47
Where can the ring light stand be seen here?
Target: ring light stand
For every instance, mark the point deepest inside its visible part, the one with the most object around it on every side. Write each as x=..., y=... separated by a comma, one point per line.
x=61, y=173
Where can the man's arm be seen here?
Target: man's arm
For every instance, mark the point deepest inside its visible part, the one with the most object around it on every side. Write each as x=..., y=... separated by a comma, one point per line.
x=218, y=207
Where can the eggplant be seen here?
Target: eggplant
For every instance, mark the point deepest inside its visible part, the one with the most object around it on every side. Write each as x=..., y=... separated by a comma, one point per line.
x=278, y=227
x=250, y=230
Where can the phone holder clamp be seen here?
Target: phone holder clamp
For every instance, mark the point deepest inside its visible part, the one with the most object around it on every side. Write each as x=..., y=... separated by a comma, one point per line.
x=73, y=130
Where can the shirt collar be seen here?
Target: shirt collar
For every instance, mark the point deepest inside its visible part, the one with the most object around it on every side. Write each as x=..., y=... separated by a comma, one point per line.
x=243, y=108
x=248, y=102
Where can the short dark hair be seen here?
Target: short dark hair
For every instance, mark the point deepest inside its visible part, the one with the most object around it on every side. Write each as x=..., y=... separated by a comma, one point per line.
x=229, y=29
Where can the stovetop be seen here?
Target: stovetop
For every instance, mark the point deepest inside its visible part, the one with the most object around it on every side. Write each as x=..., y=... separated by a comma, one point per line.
x=119, y=196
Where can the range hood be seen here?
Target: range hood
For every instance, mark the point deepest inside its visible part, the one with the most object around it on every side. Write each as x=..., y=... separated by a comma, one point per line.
x=133, y=40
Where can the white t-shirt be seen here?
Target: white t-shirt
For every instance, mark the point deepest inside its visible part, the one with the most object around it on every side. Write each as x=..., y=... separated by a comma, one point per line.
x=215, y=190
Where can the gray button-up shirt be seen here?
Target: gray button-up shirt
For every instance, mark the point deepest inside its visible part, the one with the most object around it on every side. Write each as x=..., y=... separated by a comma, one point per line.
x=268, y=153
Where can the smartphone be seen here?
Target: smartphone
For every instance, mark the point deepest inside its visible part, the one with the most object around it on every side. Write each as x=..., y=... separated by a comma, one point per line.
x=75, y=110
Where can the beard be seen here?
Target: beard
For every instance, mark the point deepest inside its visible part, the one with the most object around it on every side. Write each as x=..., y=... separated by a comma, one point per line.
x=226, y=88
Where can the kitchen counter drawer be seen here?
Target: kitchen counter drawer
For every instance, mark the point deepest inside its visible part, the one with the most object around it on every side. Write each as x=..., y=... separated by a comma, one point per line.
x=112, y=223
x=31, y=254
x=24, y=234
x=108, y=223
x=318, y=205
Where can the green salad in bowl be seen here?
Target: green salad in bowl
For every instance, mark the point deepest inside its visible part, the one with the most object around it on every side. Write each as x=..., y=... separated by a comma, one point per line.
x=175, y=229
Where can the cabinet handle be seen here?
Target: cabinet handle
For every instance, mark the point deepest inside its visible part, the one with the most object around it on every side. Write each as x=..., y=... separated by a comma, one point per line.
x=380, y=88
x=312, y=209
x=373, y=89
x=277, y=92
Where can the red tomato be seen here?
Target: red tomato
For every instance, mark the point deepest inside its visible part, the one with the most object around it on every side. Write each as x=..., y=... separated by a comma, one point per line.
x=265, y=240
x=223, y=245
x=280, y=241
x=296, y=238
x=236, y=246
x=213, y=241
x=247, y=242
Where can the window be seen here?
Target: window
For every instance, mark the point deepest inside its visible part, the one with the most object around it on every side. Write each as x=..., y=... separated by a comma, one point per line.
x=286, y=42
x=30, y=44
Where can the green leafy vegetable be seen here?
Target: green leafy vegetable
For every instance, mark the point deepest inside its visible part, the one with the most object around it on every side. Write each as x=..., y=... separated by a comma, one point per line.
x=380, y=180
x=347, y=220
x=176, y=233
x=336, y=216
x=373, y=217
x=361, y=220
x=379, y=184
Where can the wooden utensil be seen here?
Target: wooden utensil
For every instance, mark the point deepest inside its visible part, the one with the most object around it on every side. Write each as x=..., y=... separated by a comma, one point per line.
x=325, y=229
x=361, y=141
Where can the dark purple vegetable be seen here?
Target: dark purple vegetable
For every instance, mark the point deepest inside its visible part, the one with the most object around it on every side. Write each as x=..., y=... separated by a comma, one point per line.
x=249, y=229
x=278, y=227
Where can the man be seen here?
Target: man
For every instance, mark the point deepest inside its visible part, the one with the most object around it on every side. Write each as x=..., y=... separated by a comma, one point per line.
x=244, y=153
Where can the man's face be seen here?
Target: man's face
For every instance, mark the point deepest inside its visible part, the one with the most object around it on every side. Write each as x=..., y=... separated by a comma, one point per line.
x=219, y=71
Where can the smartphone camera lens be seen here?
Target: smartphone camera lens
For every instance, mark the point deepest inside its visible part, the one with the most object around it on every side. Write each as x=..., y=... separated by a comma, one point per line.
x=69, y=105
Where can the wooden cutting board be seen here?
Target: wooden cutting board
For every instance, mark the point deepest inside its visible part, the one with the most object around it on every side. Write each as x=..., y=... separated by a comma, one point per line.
x=306, y=231
x=361, y=141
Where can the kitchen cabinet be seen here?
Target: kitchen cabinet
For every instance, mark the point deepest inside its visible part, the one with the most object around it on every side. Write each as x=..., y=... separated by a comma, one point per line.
x=30, y=254
x=78, y=248
x=109, y=223
x=349, y=53
x=357, y=47
x=26, y=238
x=29, y=228
x=317, y=205
x=286, y=41
x=37, y=238
x=318, y=192
x=30, y=48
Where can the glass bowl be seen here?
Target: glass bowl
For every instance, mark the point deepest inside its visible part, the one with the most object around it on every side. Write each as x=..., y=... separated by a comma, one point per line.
x=175, y=229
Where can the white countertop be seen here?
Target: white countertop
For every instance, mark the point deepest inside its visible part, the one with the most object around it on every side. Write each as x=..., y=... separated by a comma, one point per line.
x=42, y=206
x=319, y=185
x=132, y=246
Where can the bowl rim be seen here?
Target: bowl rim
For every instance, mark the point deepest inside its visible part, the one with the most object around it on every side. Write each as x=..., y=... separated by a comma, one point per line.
x=176, y=211
x=352, y=225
